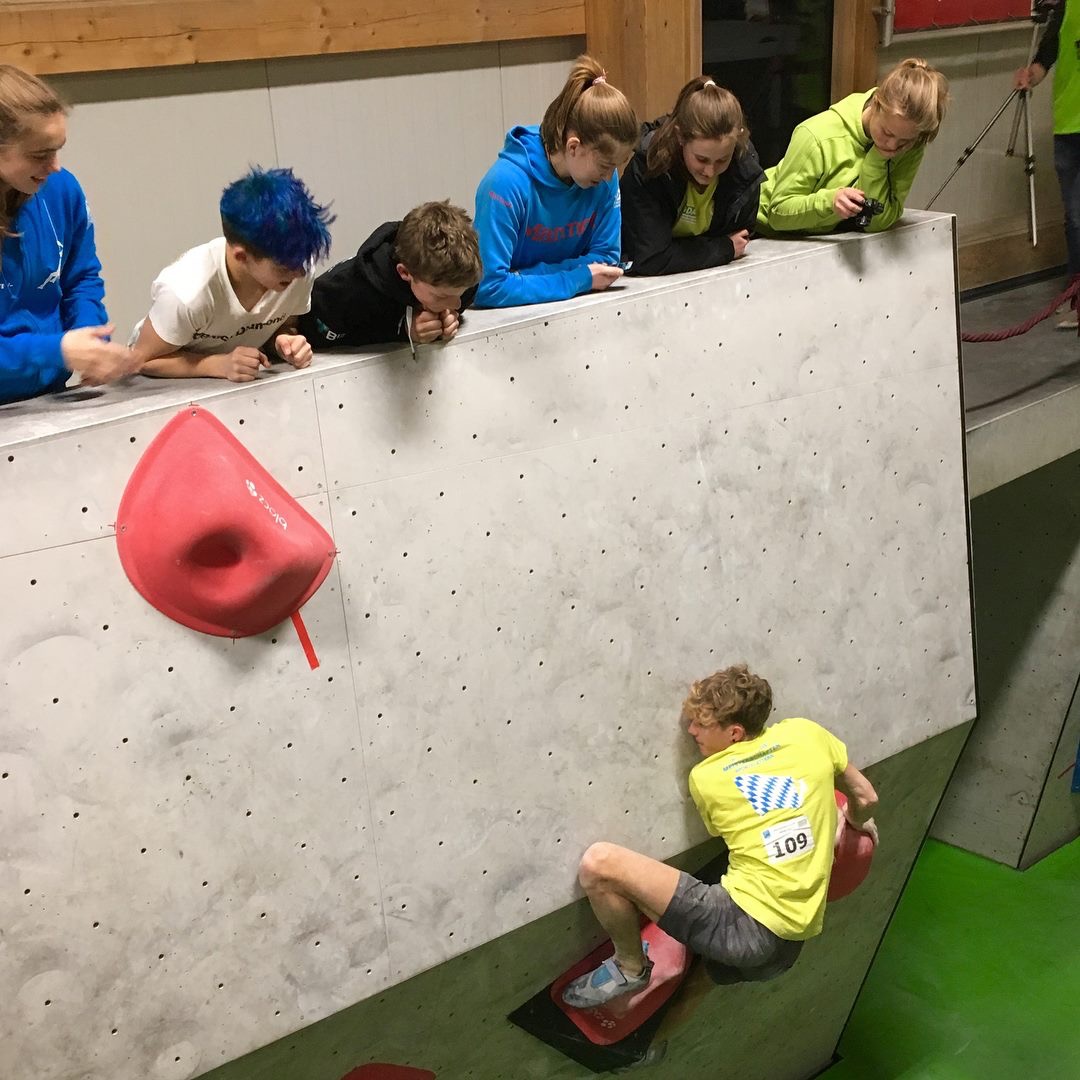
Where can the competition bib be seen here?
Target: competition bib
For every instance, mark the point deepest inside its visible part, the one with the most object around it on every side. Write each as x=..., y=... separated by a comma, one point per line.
x=788, y=840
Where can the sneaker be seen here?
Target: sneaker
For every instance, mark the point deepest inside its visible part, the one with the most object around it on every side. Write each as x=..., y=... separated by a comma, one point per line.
x=604, y=984
x=1068, y=323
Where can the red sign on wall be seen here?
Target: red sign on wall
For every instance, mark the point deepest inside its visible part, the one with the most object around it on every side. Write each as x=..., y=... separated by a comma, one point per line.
x=937, y=14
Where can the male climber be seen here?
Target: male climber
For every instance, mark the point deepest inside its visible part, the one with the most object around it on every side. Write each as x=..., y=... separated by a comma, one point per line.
x=769, y=794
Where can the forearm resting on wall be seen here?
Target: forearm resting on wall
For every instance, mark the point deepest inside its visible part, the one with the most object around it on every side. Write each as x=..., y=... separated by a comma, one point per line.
x=180, y=365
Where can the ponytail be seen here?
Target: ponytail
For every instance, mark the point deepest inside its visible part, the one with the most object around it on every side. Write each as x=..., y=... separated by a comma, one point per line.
x=590, y=108
x=917, y=92
x=703, y=110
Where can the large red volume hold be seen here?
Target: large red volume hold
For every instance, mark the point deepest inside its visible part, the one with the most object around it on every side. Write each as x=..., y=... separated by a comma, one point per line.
x=851, y=858
x=604, y=1025
x=380, y=1071
x=209, y=538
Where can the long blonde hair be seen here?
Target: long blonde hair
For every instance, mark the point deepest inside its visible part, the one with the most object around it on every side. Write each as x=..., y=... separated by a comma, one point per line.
x=917, y=92
x=22, y=97
x=590, y=108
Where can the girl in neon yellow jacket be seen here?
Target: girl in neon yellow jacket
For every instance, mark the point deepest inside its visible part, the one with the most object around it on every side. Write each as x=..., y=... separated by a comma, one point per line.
x=867, y=146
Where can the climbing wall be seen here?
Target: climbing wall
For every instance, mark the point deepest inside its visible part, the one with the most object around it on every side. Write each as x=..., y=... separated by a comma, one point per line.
x=452, y=1020
x=1011, y=798
x=546, y=529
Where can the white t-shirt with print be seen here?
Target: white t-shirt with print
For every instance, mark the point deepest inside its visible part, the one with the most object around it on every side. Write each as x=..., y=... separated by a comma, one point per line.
x=193, y=305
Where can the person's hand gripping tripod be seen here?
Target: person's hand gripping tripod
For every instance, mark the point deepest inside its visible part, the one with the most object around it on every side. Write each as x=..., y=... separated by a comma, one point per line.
x=1024, y=81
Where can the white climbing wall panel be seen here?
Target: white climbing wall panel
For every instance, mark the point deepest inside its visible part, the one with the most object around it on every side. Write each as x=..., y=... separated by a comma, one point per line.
x=546, y=530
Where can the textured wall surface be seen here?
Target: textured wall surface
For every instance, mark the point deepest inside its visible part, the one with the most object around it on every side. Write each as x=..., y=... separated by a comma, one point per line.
x=1026, y=559
x=1057, y=817
x=451, y=1020
x=546, y=529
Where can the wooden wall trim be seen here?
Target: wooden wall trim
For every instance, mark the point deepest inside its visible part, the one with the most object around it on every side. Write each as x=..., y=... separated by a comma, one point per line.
x=855, y=47
x=50, y=37
x=990, y=259
x=651, y=48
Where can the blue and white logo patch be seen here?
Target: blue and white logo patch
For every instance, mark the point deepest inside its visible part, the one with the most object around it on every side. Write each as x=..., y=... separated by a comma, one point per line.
x=765, y=793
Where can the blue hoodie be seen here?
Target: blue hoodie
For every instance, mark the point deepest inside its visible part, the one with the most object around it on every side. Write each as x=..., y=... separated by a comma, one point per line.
x=50, y=282
x=538, y=233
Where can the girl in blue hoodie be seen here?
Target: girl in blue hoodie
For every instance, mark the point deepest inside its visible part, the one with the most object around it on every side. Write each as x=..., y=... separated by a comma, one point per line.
x=52, y=319
x=547, y=211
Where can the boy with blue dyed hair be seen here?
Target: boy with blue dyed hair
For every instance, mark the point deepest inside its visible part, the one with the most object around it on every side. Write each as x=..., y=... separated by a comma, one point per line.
x=228, y=308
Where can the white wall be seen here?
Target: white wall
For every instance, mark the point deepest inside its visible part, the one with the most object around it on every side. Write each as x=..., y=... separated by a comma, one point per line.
x=375, y=133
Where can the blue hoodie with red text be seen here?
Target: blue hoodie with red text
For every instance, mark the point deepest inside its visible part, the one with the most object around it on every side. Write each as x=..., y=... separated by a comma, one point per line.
x=50, y=282
x=538, y=233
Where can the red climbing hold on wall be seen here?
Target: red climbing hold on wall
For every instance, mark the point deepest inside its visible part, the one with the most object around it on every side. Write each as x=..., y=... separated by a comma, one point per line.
x=611, y=1023
x=211, y=539
x=852, y=857
x=379, y=1071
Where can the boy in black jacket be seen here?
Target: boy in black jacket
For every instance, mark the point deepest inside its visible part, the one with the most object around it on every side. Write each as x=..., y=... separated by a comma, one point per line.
x=409, y=281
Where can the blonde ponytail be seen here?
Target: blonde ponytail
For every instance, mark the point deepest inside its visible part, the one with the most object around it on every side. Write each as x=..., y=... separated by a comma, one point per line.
x=917, y=92
x=590, y=108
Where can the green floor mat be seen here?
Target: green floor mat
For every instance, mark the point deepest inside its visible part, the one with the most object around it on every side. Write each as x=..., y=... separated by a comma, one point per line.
x=978, y=977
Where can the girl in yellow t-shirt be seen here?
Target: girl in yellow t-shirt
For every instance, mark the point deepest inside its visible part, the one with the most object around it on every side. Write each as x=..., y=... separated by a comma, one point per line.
x=690, y=192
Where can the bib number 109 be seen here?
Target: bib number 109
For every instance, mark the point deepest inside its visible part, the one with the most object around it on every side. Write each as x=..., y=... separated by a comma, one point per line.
x=788, y=840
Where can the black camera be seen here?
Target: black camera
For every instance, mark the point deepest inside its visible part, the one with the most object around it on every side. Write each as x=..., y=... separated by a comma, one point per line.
x=870, y=209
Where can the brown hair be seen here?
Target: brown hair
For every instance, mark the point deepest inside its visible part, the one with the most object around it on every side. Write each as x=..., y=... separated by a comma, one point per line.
x=590, y=108
x=732, y=696
x=703, y=110
x=918, y=93
x=22, y=97
x=437, y=243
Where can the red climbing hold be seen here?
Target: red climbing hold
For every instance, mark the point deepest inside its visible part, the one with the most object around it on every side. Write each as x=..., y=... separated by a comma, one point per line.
x=607, y=1024
x=851, y=858
x=211, y=539
x=379, y=1071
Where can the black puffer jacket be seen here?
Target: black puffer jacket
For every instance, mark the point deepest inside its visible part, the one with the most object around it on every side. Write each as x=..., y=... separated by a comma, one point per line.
x=362, y=300
x=650, y=207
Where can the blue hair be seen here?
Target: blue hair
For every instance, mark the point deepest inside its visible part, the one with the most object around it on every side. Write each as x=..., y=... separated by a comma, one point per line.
x=272, y=213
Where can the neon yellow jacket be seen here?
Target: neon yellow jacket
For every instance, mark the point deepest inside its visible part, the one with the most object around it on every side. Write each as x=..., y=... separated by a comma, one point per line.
x=828, y=152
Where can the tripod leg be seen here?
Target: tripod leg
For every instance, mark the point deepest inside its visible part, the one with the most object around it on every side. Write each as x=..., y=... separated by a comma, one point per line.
x=1021, y=107
x=1029, y=168
x=1025, y=96
x=971, y=149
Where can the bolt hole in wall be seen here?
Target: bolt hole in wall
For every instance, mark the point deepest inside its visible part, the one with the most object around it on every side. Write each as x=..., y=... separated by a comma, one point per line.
x=777, y=63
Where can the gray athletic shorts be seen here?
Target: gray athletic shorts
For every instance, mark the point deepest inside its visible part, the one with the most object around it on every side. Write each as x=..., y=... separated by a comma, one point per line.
x=735, y=947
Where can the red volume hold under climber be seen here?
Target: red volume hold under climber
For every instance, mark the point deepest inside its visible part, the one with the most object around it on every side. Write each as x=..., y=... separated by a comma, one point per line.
x=851, y=858
x=377, y=1070
x=608, y=1024
x=211, y=539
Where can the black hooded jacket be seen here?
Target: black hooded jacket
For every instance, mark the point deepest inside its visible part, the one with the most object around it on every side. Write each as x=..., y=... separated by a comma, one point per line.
x=650, y=207
x=362, y=300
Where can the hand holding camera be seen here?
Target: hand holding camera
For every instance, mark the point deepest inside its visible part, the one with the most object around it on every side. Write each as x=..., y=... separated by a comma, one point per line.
x=855, y=208
x=870, y=209
x=847, y=202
